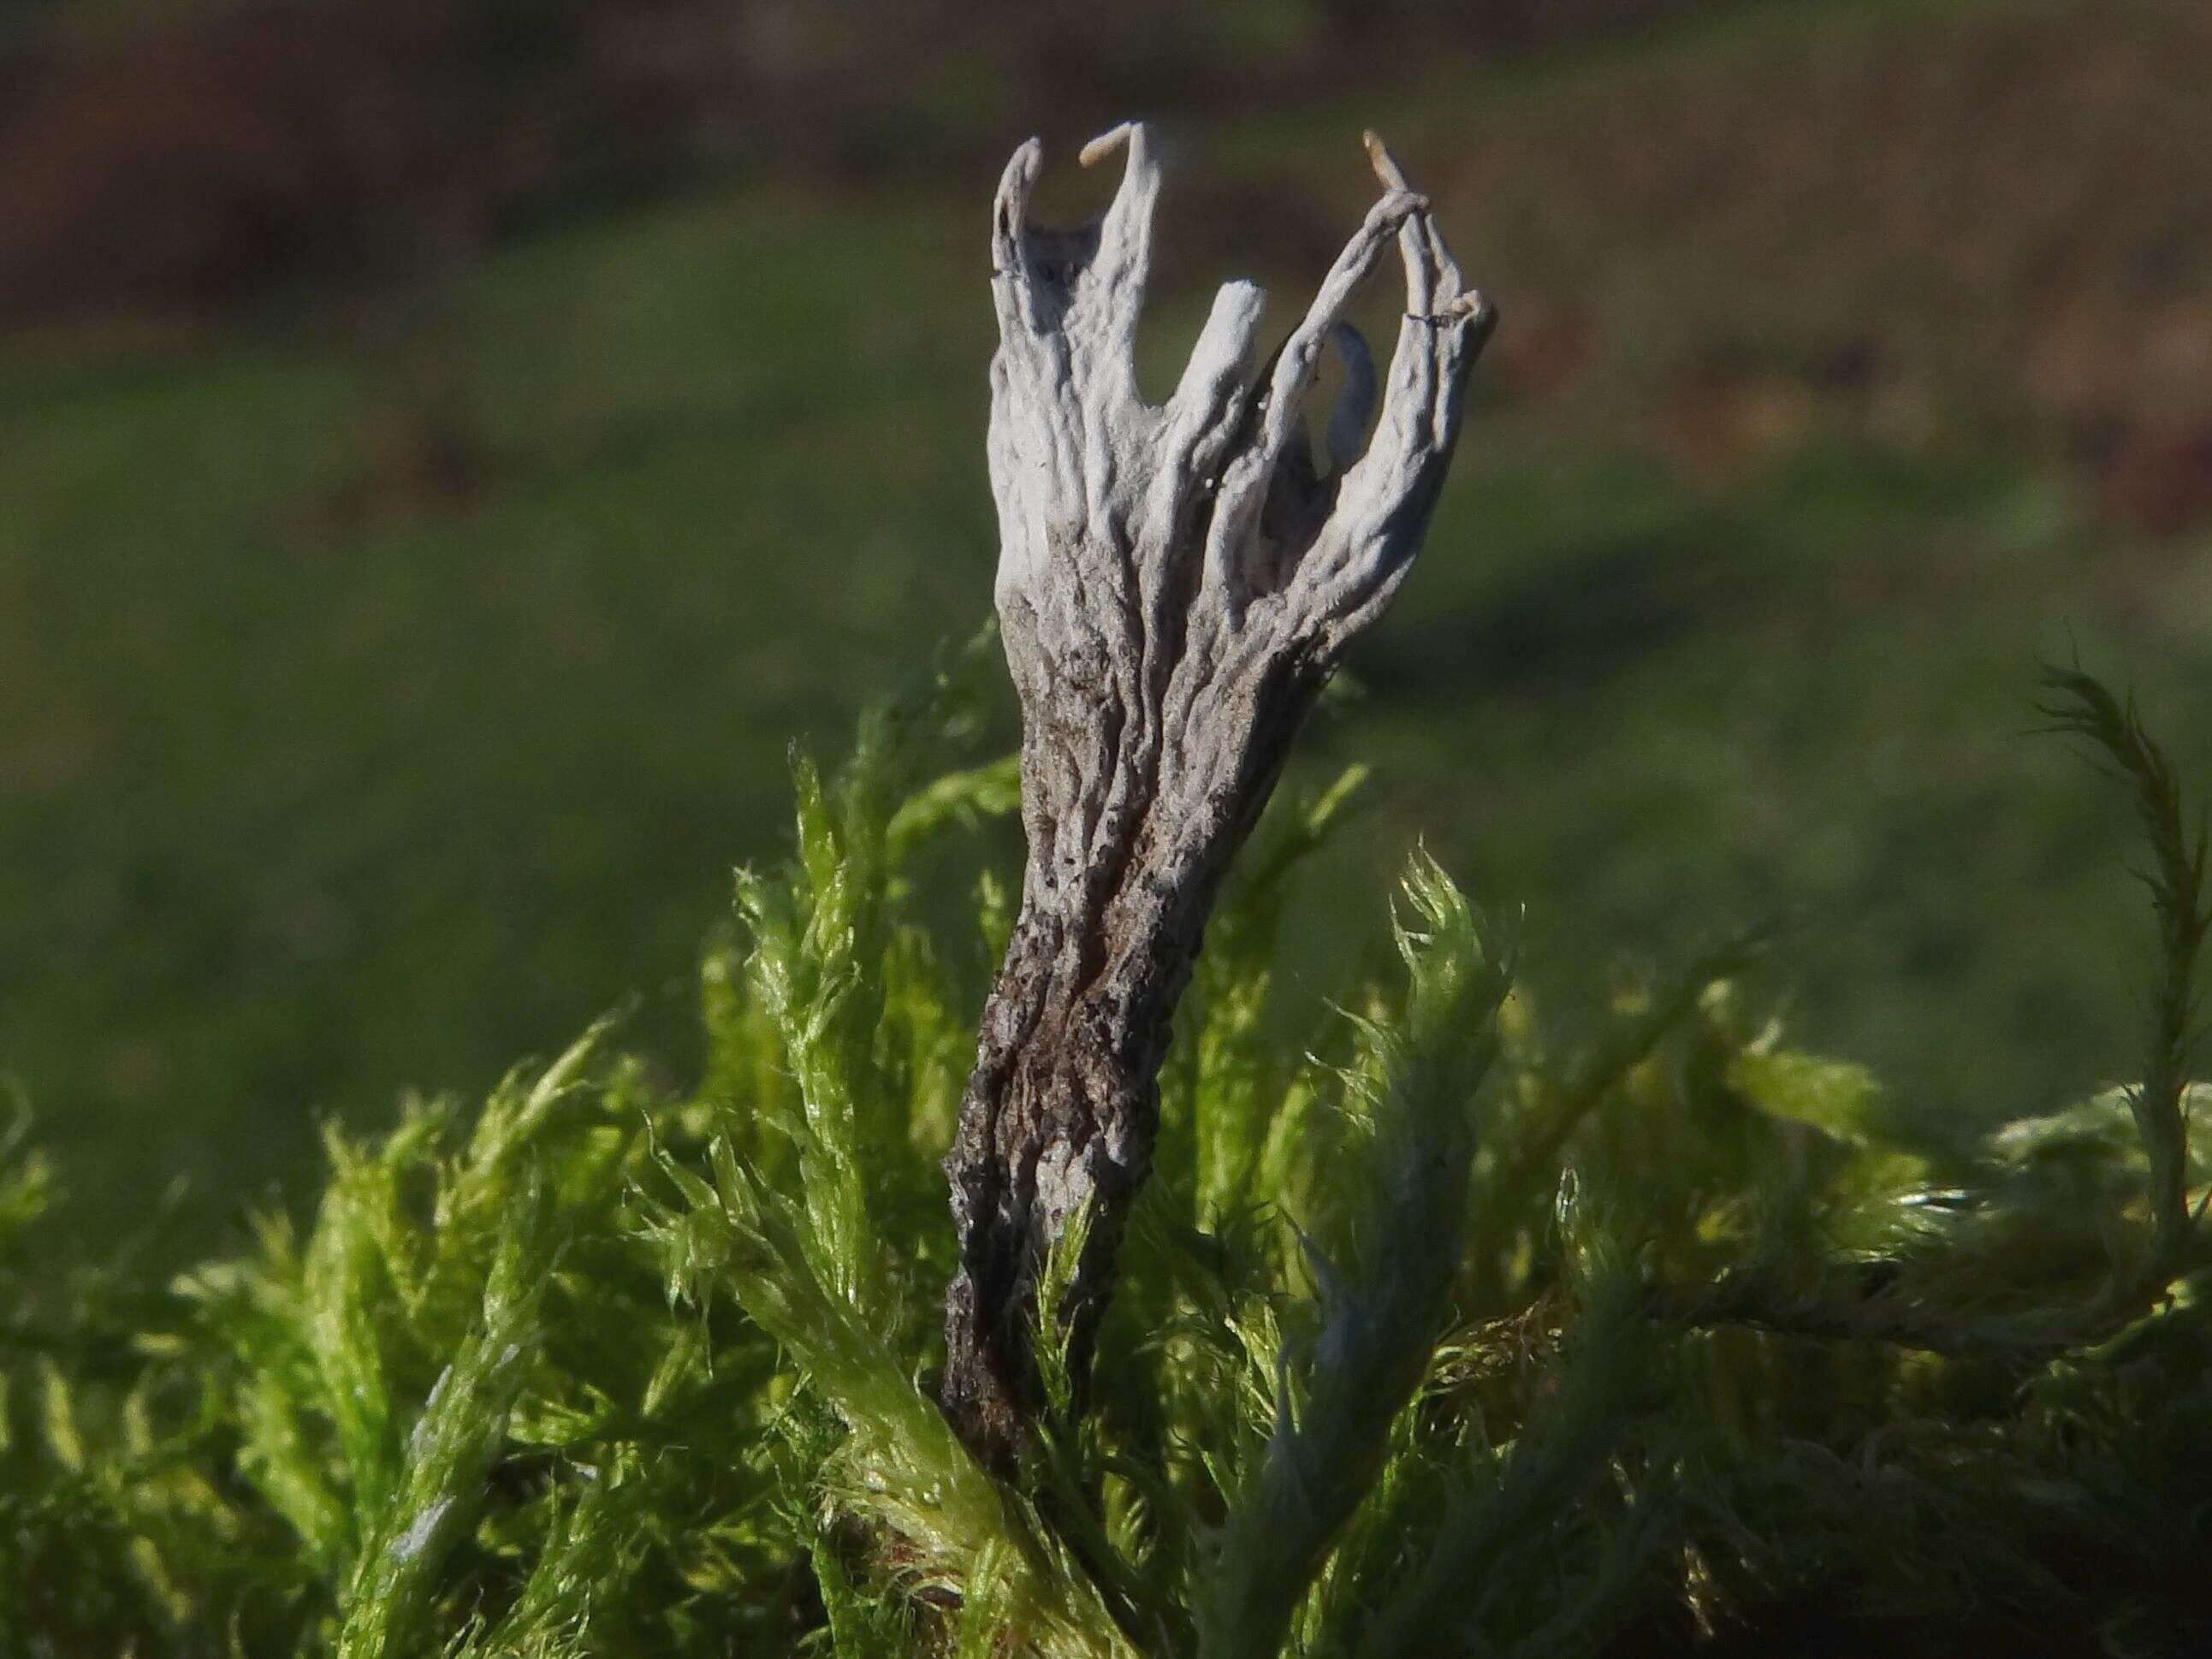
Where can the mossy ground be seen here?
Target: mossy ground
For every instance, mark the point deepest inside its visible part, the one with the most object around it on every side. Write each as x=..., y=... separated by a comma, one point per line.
x=1467, y=1328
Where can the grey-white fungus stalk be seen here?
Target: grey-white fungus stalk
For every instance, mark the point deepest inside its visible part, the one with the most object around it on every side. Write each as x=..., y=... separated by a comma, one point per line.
x=1176, y=583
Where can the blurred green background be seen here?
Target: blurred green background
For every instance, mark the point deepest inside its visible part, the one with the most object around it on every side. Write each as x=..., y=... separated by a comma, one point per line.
x=449, y=448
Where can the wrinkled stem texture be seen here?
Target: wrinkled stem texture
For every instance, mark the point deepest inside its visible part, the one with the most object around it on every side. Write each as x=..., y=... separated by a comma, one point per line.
x=1176, y=583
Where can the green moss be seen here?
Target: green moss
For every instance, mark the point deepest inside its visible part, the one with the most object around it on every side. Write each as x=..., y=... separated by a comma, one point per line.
x=1461, y=1325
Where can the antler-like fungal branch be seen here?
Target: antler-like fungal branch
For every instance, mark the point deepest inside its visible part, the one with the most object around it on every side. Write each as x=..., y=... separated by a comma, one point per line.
x=1176, y=583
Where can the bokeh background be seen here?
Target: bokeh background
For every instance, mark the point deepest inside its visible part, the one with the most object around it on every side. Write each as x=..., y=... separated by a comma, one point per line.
x=449, y=448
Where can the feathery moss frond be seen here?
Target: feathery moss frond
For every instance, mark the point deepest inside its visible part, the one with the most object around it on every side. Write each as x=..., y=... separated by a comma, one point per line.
x=1380, y=1315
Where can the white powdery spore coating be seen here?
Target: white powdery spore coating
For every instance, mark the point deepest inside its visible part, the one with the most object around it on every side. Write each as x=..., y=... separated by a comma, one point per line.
x=412, y=1542
x=1176, y=581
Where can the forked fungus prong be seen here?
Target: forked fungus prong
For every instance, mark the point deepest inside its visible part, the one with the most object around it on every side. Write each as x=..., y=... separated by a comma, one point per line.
x=1174, y=587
